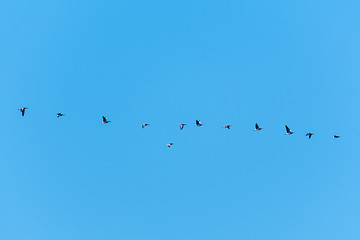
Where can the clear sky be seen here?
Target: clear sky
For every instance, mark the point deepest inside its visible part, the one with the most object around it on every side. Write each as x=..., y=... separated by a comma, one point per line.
x=170, y=62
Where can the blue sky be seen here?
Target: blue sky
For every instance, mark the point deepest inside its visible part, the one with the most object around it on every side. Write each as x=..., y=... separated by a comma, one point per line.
x=166, y=63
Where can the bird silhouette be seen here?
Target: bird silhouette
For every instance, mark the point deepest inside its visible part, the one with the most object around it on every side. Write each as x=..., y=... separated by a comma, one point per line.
x=288, y=131
x=60, y=115
x=309, y=134
x=198, y=123
x=227, y=126
x=104, y=121
x=169, y=144
x=182, y=126
x=144, y=125
x=336, y=136
x=22, y=110
x=257, y=128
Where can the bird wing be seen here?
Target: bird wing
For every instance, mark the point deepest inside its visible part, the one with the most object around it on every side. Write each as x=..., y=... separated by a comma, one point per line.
x=104, y=119
x=287, y=128
x=256, y=126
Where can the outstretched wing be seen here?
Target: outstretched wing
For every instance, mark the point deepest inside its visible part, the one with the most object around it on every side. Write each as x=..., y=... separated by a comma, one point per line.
x=287, y=129
x=104, y=119
x=256, y=126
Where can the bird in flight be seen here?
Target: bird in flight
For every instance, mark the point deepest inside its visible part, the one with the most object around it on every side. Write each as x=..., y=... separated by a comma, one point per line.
x=309, y=134
x=336, y=136
x=227, y=126
x=22, y=110
x=257, y=128
x=198, y=123
x=288, y=131
x=182, y=126
x=59, y=115
x=144, y=125
x=104, y=121
x=169, y=144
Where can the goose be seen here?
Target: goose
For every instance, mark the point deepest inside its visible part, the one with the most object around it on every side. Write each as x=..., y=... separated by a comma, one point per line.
x=169, y=144
x=257, y=128
x=198, y=123
x=182, y=126
x=288, y=131
x=336, y=136
x=22, y=110
x=309, y=134
x=59, y=115
x=105, y=120
x=144, y=125
x=227, y=126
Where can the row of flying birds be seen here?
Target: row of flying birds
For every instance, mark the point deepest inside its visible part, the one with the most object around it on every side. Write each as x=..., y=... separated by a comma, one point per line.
x=182, y=125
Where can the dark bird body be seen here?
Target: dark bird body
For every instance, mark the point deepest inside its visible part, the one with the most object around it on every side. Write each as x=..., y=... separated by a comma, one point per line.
x=22, y=110
x=288, y=131
x=182, y=126
x=105, y=120
x=257, y=128
x=309, y=135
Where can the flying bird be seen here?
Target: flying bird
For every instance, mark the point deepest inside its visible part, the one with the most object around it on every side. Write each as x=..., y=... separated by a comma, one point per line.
x=198, y=123
x=182, y=126
x=59, y=115
x=336, y=136
x=227, y=126
x=257, y=128
x=22, y=110
x=288, y=131
x=105, y=120
x=169, y=144
x=144, y=125
x=309, y=134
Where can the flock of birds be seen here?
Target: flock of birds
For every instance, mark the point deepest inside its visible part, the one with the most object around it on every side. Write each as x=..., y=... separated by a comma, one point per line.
x=182, y=125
